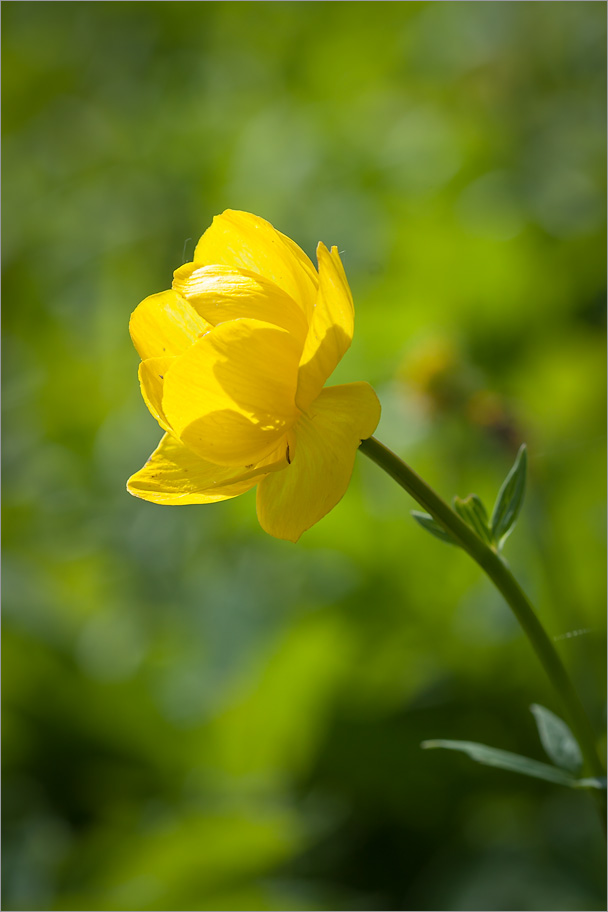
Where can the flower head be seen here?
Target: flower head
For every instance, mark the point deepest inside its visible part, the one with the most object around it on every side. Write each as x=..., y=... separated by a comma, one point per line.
x=234, y=361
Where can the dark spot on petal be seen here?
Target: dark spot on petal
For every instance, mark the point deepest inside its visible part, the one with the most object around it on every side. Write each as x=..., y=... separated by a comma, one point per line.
x=287, y=455
x=250, y=466
x=162, y=376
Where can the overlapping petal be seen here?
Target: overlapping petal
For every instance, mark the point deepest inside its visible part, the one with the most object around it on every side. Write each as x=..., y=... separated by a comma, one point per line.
x=220, y=293
x=175, y=475
x=165, y=324
x=231, y=396
x=234, y=361
x=327, y=436
x=331, y=327
x=151, y=379
x=245, y=241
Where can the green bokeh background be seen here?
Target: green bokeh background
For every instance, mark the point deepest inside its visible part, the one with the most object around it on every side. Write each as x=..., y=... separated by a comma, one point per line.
x=197, y=716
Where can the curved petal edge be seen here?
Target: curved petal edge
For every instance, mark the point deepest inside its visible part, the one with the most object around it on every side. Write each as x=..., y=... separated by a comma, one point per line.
x=328, y=436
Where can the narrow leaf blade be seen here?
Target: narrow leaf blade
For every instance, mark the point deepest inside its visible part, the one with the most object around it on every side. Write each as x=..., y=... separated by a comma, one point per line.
x=516, y=763
x=558, y=741
x=510, y=498
x=427, y=522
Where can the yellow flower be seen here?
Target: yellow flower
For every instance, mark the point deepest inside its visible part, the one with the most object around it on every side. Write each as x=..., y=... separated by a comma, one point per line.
x=234, y=361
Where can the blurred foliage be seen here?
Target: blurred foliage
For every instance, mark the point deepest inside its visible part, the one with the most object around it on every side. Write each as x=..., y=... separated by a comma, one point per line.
x=197, y=716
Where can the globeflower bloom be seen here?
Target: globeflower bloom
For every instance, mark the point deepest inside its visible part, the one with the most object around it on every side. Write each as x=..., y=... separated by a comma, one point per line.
x=234, y=362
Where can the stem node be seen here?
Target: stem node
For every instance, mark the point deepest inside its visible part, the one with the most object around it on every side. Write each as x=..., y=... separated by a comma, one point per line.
x=500, y=575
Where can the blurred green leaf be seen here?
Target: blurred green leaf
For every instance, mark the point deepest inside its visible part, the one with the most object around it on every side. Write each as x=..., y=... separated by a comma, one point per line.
x=510, y=498
x=197, y=667
x=427, y=522
x=492, y=756
x=474, y=513
x=557, y=739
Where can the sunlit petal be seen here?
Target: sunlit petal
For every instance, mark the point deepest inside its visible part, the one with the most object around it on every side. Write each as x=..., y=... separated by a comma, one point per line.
x=175, y=475
x=246, y=241
x=230, y=397
x=151, y=379
x=331, y=327
x=165, y=324
x=327, y=438
x=219, y=293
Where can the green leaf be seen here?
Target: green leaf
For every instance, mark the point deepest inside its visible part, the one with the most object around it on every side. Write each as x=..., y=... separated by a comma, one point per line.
x=510, y=498
x=594, y=782
x=492, y=756
x=557, y=739
x=427, y=522
x=472, y=510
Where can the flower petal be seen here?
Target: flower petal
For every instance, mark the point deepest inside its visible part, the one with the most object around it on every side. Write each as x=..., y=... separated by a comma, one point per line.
x=245, y=241
x=230, y=397
x=175, y=475
x=327, y=436
x=151, y=379
x=219, y=293
x=331, y=327
x=165, y=324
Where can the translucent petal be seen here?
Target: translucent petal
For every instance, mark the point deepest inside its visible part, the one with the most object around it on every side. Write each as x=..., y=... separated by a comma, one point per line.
x=165, y=324
x=245, y=241
x=175, y=475
x=219, y=293
x=327, y=438
x=230, y=397
x=331, y=327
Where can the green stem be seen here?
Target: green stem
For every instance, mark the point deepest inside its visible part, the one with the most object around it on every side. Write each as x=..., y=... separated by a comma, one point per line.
x=494, y=567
